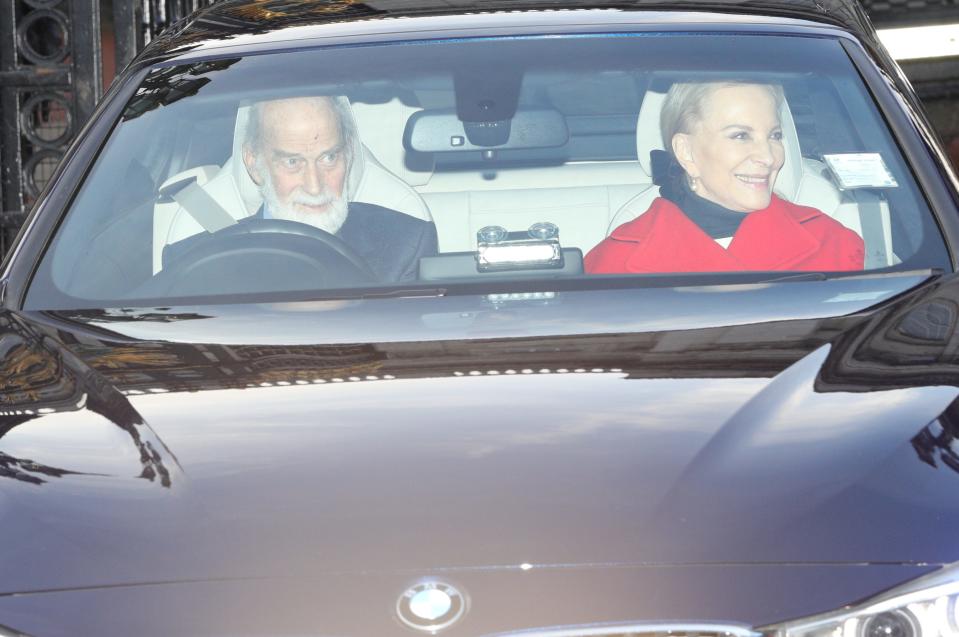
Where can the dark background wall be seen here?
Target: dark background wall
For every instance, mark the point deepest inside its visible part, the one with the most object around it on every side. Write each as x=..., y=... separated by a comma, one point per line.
x=937, y=82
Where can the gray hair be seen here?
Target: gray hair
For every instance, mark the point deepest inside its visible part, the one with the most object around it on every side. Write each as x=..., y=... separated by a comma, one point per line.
x=685, y=102
x=340, y=106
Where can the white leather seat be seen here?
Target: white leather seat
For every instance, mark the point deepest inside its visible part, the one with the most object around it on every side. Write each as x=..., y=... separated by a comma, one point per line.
x=578, y=197
x=381, y=128
x=232, y=188
x=801, y=181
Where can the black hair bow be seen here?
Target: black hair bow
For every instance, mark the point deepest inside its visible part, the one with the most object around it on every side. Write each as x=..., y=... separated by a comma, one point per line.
x=667, y=174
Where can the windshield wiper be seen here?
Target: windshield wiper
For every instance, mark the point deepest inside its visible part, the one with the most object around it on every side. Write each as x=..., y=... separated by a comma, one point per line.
x=354, y=294
x=798, y=276
x=402, y=293
x=823, y=276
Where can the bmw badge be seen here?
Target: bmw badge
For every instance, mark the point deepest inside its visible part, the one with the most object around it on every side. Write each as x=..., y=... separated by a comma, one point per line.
x=431, y=606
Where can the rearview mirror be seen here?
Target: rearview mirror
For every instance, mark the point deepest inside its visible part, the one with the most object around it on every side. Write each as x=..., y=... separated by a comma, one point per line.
x=438, y=131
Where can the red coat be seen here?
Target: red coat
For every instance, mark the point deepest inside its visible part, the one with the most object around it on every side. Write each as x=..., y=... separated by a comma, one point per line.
x=783, y=236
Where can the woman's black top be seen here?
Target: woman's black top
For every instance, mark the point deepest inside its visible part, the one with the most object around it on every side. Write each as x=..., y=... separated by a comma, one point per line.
x=715, y=220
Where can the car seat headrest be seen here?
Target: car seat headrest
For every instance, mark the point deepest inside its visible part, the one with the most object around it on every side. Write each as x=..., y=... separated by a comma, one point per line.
x=248, y=190
x=381, y=126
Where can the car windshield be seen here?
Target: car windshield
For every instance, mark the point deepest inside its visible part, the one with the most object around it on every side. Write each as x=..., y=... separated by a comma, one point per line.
x=489, y=163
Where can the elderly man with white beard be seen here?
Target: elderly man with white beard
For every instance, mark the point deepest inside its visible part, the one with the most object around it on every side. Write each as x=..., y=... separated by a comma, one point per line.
x=301, y=153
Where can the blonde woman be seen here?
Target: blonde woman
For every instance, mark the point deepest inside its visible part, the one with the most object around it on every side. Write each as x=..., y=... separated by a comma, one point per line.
x=719, y=212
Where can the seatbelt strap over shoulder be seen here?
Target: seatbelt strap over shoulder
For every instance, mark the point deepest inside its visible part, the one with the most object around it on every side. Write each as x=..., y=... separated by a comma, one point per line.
x=198, y=204
x=203, y=208
x=870, y=221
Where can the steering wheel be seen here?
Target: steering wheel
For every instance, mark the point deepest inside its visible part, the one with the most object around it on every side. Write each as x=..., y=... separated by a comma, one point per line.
x=260, y=255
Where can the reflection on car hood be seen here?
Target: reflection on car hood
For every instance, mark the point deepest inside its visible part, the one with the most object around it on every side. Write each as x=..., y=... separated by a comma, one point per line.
x=827, y=439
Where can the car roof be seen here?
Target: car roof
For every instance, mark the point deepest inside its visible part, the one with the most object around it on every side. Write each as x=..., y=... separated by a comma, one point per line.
x=254, y=24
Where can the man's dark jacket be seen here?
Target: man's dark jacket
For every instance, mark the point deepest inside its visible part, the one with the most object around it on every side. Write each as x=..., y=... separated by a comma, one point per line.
x=391, y=242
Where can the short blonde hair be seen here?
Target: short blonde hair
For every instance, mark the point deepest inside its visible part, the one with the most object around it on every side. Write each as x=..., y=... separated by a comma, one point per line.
x=685, y=101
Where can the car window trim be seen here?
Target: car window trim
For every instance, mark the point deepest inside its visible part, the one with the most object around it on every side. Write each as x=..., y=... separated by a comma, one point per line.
x=915, y=139
x=462, y=287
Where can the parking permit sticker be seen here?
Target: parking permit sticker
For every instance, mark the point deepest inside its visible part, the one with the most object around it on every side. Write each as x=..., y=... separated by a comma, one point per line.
x=860, y=170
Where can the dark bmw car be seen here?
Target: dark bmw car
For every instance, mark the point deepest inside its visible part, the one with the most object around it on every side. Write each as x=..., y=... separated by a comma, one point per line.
x=536, y=317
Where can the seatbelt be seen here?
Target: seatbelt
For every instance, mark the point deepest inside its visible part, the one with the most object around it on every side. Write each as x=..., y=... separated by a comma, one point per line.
x=870, y=222
x=203, y=208
x=199, y=204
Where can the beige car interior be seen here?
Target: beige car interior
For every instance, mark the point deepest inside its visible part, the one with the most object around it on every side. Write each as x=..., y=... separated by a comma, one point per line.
x=585, y=199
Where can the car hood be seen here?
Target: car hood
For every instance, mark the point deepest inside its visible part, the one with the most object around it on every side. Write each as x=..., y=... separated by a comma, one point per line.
x=526, y=433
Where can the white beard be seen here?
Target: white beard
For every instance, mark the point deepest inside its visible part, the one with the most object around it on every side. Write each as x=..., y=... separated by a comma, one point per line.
x=331, y=221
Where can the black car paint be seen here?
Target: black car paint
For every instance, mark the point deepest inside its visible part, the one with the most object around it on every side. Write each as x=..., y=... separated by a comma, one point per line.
x=217, y=24
x=634, y=467
x=219, y=505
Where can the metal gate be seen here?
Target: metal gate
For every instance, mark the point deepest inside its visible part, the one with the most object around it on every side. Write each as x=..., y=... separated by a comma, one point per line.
x=51, y=78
